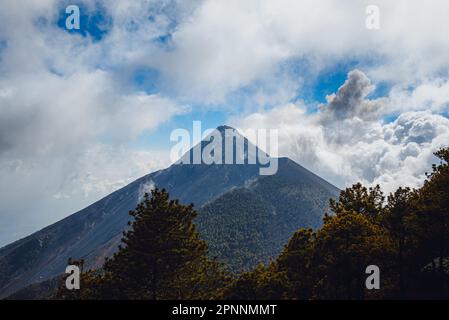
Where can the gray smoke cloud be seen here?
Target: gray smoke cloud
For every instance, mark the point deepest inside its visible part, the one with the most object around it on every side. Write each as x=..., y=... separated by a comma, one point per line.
x=351, y=100
x=144, y=188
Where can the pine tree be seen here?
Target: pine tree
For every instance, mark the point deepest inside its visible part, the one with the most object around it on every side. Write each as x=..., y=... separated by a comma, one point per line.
x=296, y=262
x=162, y=257
x=264, y=282
x=366, y=201
x=346, y=244
x=399, y=219
x=432, y=210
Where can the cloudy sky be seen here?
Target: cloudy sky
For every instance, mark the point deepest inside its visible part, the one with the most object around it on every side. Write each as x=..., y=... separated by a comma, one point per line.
x=84, y=112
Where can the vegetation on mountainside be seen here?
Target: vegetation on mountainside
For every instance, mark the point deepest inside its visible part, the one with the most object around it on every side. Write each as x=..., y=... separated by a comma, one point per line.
x=251, y=225
x=163, y=257
x=405, y=234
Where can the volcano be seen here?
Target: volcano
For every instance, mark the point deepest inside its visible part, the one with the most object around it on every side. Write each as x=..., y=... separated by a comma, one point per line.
x=246, y=217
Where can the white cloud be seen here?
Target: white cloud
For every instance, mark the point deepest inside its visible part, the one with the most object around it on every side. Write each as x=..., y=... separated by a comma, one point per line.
x=66, y=124
x=430, y=95
x=52, y=158
x=229, y=44
x=145, y=188
x=41, y=190
x=348, y=149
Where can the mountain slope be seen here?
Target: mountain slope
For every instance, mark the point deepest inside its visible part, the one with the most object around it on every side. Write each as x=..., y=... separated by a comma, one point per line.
x=95, y=232
x=251, y=224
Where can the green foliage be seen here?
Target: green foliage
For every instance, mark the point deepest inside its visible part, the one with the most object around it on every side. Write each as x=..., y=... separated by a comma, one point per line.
x=263, y=283
x=296, y=262
x=251, y=225
x=237, y=229
x=432, y=227
x=162, y=257
x=359, y=199
x=406, y=236
x=345, y=246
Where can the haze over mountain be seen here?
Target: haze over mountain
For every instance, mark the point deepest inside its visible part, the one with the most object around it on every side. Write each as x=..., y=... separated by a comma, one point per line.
x=245, y=217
